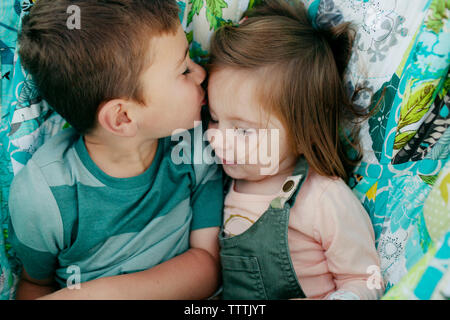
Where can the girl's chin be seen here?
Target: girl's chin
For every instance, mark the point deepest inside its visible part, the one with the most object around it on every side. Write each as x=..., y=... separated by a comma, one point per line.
x=234, y=171
x=238, y=172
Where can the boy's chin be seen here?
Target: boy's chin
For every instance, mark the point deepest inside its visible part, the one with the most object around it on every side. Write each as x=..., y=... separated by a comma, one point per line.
x=193, y=122
x=188, y=124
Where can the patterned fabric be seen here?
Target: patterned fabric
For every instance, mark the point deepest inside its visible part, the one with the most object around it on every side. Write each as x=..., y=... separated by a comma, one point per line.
x=429, y=278
x=201, y=18
x=401, y=55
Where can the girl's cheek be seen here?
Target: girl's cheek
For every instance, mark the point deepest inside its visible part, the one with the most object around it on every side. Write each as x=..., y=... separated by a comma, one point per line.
x=214, y=136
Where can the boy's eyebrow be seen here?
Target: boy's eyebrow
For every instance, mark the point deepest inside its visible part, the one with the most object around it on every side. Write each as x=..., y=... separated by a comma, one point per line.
x=184, y=57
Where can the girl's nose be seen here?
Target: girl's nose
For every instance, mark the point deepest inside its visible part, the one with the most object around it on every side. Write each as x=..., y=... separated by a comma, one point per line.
x=223, y=142
x=215, y=138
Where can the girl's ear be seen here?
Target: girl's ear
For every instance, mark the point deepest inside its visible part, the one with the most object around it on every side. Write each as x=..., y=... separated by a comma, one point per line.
x=113, y=116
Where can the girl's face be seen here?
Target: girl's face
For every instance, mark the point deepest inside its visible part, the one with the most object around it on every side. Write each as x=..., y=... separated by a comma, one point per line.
x=250, y=143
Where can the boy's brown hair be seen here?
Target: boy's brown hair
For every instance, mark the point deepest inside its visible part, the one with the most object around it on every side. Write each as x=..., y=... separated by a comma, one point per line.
x=301, y=70
x=78, y=69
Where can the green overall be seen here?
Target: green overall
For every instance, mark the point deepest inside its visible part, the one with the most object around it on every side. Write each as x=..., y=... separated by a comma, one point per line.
x=256, y=264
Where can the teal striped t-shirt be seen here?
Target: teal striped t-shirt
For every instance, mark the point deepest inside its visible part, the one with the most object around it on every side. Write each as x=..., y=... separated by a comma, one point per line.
x=68, y=215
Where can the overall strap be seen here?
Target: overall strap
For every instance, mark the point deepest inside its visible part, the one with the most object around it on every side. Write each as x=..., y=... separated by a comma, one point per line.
x=291, y=185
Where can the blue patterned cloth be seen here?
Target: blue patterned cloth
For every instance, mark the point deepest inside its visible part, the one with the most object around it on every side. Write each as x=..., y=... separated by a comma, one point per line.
x=401, y=54
x=10, y=12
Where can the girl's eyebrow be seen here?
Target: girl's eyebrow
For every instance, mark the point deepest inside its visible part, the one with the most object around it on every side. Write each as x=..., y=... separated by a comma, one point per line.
x=254, y=124
x=237, y=119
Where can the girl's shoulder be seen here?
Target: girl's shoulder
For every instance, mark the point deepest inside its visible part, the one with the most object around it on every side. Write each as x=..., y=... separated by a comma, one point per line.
x=320, y=193
x=326, y=204
x=317, y=186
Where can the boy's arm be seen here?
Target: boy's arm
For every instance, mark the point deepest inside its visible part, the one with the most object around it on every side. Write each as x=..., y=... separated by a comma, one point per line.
x=191, y=275
x=29, y=288
x=35, y=230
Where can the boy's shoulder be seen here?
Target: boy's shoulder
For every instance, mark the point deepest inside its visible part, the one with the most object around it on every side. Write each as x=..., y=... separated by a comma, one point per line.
x=55, y=163
x=55, y=148
x=33, y=209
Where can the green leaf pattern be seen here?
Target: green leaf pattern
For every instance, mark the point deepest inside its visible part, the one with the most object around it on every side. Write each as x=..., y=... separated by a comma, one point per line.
x=196, y=6
x=416, y=103
x=438, y=15
x=214, y=12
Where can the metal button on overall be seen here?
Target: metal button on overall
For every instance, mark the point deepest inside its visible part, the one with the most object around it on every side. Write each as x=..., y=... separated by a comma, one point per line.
x=288, y=185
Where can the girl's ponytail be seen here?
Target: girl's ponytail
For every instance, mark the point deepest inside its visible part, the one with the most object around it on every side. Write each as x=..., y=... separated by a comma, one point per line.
x=340, y=39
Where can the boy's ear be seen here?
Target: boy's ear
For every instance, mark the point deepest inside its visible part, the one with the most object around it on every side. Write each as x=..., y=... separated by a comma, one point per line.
x=113, y=116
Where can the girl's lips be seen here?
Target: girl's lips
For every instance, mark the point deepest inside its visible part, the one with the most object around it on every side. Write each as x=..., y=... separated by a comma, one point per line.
x=228, y=163
x=225, y=162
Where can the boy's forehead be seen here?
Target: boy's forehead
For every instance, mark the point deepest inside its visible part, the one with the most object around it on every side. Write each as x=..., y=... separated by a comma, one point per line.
x=166, y=50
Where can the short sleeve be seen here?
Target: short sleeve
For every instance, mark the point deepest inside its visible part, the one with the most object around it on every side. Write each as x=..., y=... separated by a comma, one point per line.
x=207, y=196
x=35, y=224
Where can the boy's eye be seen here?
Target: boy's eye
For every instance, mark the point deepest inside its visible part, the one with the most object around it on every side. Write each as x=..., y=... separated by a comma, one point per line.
x=212, y=120
x=187, y=71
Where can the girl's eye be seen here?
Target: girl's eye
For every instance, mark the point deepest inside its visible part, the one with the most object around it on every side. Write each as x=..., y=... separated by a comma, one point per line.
x=243, y=131
x=187, y=71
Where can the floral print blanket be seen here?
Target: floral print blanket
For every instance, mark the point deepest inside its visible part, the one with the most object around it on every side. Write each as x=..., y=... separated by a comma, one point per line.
x=401, y=54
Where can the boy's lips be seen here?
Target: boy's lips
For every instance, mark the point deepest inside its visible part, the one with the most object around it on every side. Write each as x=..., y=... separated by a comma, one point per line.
x=203, y=97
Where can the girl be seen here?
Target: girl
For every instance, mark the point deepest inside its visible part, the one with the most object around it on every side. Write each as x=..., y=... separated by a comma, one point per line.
x=296, y=230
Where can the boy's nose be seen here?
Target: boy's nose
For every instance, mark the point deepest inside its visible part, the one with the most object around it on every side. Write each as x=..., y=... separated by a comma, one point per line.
x=200, y=75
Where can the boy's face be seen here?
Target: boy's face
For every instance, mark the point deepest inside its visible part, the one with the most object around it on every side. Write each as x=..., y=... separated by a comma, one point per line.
x=171, y=87
x=251, y=143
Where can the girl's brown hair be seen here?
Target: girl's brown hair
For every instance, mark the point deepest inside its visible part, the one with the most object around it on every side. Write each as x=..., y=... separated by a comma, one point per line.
x=302, y=70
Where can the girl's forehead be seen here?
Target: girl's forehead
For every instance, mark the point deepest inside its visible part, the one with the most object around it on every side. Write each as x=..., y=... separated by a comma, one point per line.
x=233, y=93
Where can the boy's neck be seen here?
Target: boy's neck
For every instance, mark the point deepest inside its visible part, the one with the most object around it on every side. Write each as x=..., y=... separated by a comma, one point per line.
x=121, y=157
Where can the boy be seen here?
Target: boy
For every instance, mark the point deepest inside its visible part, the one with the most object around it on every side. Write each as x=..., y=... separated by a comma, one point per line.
x=103, y=201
